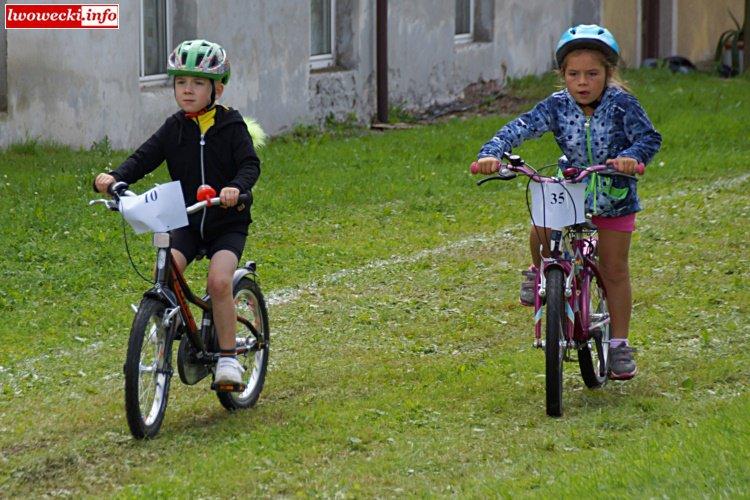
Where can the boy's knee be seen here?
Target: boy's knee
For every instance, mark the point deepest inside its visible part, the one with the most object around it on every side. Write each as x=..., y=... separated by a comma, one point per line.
x=219, y=285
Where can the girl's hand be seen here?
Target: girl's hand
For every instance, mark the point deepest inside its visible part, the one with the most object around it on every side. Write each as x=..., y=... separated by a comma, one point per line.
x=229, y=196
x=102, y=182
x=487, y=165
x=624, y=164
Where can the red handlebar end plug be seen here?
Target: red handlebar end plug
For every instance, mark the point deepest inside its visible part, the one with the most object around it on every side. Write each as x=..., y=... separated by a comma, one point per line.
x=205, y=193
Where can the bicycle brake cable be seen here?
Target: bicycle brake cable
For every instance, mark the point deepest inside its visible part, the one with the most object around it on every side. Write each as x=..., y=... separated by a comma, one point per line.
x=130, y=257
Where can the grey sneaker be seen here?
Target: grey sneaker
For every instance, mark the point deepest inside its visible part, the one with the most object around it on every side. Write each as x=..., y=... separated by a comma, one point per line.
x=621, y=363
x=528, y=286
x=229, y=371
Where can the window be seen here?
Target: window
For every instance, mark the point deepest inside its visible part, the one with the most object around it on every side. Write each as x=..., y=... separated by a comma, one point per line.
x=464, y=21
x=155, y=39
x=322, y=33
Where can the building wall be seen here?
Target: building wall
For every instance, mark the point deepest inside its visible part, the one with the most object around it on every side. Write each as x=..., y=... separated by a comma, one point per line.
x=76, y=86
x=3, y=71
x=689, y=28
x=348, y=90
x=621, y=18
x=700, y=23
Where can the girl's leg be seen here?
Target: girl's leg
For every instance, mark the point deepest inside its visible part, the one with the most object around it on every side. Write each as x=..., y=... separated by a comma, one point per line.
x=539, y=237
x=220, y=272
x=614, y=250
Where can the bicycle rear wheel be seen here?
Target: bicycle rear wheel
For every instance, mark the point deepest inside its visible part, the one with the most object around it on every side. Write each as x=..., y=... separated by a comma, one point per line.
x=593, y=355
x=250, y=305
x=554, y=349
x=147, y=370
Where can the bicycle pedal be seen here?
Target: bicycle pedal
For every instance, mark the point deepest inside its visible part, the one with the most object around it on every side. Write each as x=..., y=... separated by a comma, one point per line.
x=227, y=387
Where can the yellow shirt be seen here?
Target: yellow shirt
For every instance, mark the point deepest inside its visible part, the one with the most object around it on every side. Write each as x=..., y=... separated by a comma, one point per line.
x=206, y=120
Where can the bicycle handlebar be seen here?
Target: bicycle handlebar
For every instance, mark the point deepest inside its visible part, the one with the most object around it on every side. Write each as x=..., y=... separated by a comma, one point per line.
x=516, y=164
x=120, y=189
x=214, y=202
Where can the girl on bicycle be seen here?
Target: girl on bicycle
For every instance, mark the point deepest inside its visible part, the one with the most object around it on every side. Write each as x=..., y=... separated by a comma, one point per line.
x=204, y=143
x=595, y=120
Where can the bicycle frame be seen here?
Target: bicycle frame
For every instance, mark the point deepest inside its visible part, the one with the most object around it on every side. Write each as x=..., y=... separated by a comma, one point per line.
x=172, y=287
x=570, y=251
x=573, y=332
x=574, y=253
x=164, y=316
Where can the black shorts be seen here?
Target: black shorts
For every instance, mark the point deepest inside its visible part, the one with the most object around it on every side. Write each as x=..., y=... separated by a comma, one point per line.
x=189, y=242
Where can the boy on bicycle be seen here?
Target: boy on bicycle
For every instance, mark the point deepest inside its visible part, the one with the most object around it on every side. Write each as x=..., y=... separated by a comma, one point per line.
x=595, y=119
x=203, y=143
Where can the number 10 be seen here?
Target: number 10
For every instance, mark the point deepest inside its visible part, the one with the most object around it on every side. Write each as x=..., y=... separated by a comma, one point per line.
x=150, y=196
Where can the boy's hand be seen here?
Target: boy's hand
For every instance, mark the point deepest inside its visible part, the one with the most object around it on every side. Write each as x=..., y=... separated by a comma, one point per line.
x=229, y=196
x=102, y=182
x=487, y=165
x=624, y=164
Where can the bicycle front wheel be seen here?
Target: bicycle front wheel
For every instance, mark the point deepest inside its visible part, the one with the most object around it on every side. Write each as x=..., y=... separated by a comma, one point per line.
x=593, y=355
x=251, y=306
x=147, y=370
x=554, y=349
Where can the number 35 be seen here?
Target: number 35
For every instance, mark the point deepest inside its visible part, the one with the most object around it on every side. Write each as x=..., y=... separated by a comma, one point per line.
x=557, y=198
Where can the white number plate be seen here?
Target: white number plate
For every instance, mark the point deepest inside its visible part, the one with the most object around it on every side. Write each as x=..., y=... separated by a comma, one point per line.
x=557, y=205
x=158, y=210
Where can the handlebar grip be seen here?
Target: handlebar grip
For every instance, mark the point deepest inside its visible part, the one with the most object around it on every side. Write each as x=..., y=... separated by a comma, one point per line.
x=640, y=169
x=117, y=188
x=475, y=167
x=216, y=201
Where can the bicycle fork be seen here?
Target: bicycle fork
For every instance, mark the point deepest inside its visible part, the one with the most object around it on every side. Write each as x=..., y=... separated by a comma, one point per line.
x=555, y=260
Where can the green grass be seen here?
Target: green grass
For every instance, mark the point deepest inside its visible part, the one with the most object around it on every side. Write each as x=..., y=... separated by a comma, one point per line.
x=415, y=378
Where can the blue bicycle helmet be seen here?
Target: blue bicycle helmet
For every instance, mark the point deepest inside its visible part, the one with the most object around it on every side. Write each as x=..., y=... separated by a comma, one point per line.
x=587, y=36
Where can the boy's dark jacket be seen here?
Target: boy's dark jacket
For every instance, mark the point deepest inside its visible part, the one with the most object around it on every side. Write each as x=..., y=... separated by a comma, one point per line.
x=229, y=159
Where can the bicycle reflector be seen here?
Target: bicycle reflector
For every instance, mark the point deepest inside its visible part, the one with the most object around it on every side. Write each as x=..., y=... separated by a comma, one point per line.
x=205, y=192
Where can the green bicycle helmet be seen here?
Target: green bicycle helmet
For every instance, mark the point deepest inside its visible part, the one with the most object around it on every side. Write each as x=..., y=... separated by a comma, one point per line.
x=199, y=58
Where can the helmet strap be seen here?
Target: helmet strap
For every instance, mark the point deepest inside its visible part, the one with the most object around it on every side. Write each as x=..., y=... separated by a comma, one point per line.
x=213, y=95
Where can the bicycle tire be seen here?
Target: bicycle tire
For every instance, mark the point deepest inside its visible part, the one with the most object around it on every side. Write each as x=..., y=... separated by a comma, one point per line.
x=553, y=350
x=593, y=355
x=250, y=304
x=147, y=370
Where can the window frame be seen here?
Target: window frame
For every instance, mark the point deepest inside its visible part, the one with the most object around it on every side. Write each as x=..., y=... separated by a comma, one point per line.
x=469, y=36
x=323, y=61
x=160, y=77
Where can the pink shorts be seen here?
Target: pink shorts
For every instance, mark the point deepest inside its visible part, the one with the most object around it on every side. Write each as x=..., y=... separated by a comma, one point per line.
x=624, y=224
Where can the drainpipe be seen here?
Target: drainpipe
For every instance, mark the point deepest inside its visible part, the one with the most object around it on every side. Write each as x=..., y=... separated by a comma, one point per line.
x=381, y=47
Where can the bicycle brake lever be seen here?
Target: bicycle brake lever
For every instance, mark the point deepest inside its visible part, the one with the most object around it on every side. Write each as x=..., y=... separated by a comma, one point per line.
x=110, y=204
x=504, y=175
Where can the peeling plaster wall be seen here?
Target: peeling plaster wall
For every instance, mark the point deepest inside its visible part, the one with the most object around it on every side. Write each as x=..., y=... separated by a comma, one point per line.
x=349, y=89
x=269, y=46
x=76, y=86
x=427, y=67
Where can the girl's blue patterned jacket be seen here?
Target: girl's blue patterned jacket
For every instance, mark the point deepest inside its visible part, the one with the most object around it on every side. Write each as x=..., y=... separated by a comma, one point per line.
x=618, y=127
